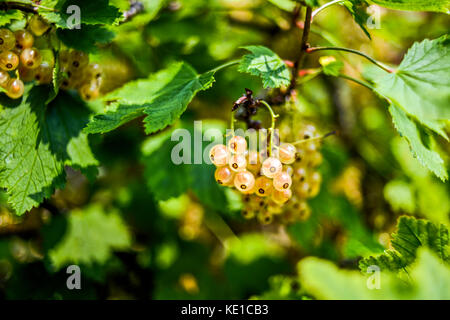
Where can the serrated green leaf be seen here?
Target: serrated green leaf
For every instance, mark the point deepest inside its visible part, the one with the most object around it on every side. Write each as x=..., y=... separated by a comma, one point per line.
x=7, y=16
x=411, y=234
x=357, y=9
x=266, y=64
x=409, y=130
x=429, y=279
x=287, y=5
x=415, y=5
x=86, y=38
x=331, y=66
x=37, y=141
x=420, y=86
x=162, y=98
x=92, y=235
x=91, y=12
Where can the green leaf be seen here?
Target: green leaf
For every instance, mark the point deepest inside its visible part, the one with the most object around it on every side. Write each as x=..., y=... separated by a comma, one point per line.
x=400, y=196
x=429, y=279
x=410, y=131
x=7, y=16
x=357, y=9
x=86, y=38
x=37, y=141
x=312, y=3
x=91, y=237
x=92, y=12
x=331, y=66
x=162, y=98
x=415, y=5
x=410, y=236
x=164, y=186
x=266, y=64
x=420, y=85
x=287, y=5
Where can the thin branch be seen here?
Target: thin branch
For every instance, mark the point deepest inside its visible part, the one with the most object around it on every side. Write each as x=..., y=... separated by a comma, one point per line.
x=30, y=8
x=303, y=46
x=362, y=54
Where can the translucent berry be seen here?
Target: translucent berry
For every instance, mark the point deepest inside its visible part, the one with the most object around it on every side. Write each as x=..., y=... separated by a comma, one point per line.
x=274, y=208
x=7, y=39
x=94, y=71
x=271, y=166
x=287, y=153
x=44, y=73
x=8, y=60
x=90, y=91
x=27, y=74
x=30, y=58
x=314, y=180
x=219, y=155
x=248, y=214
x=308, y=132
x=4, y=79
x=265, y=217
x=15, y=88
x=244, y=181
x=78, y=59
x=303, y=190
x=300, y=174
x=281, y=197
x=238, y=162
x=315, y=159
x=282, y=181
x=311, y=147
x=263, y=186
x=300, y=156
x=224, y=175
x=24, y=39
x=64, y=58
x=237, y=144
x=38, y=25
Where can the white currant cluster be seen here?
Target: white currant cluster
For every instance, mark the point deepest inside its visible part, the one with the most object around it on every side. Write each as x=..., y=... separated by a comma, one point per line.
x=21, y=61
x=271, y=184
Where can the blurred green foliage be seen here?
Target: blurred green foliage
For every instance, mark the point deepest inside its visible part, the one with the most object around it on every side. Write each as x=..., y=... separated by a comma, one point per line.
x=144, y=228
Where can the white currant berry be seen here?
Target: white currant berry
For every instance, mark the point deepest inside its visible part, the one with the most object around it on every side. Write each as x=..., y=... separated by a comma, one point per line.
x=281, y=197
x=282, y=181
x=38, y=25
x=237, y=144
x=219, y=155
x=4, y=79
x=9, y=60
x=224, y=175
x=7, y=39
x=271, y=167
x=24, y=39
x=287, y=153
x=244, y=181
x=15, y=88
x=238, y=162
x=263, y=186
x=31, y=58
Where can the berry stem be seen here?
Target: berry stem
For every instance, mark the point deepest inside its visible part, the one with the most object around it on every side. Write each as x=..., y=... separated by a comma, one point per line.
x=272, y=126
x=31, y=8
x=364, y=84
x=314, y=139
x=225, y=65
x=362, y=54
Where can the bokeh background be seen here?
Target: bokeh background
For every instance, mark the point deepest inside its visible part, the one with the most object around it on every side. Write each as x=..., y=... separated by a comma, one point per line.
x=195, y=245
